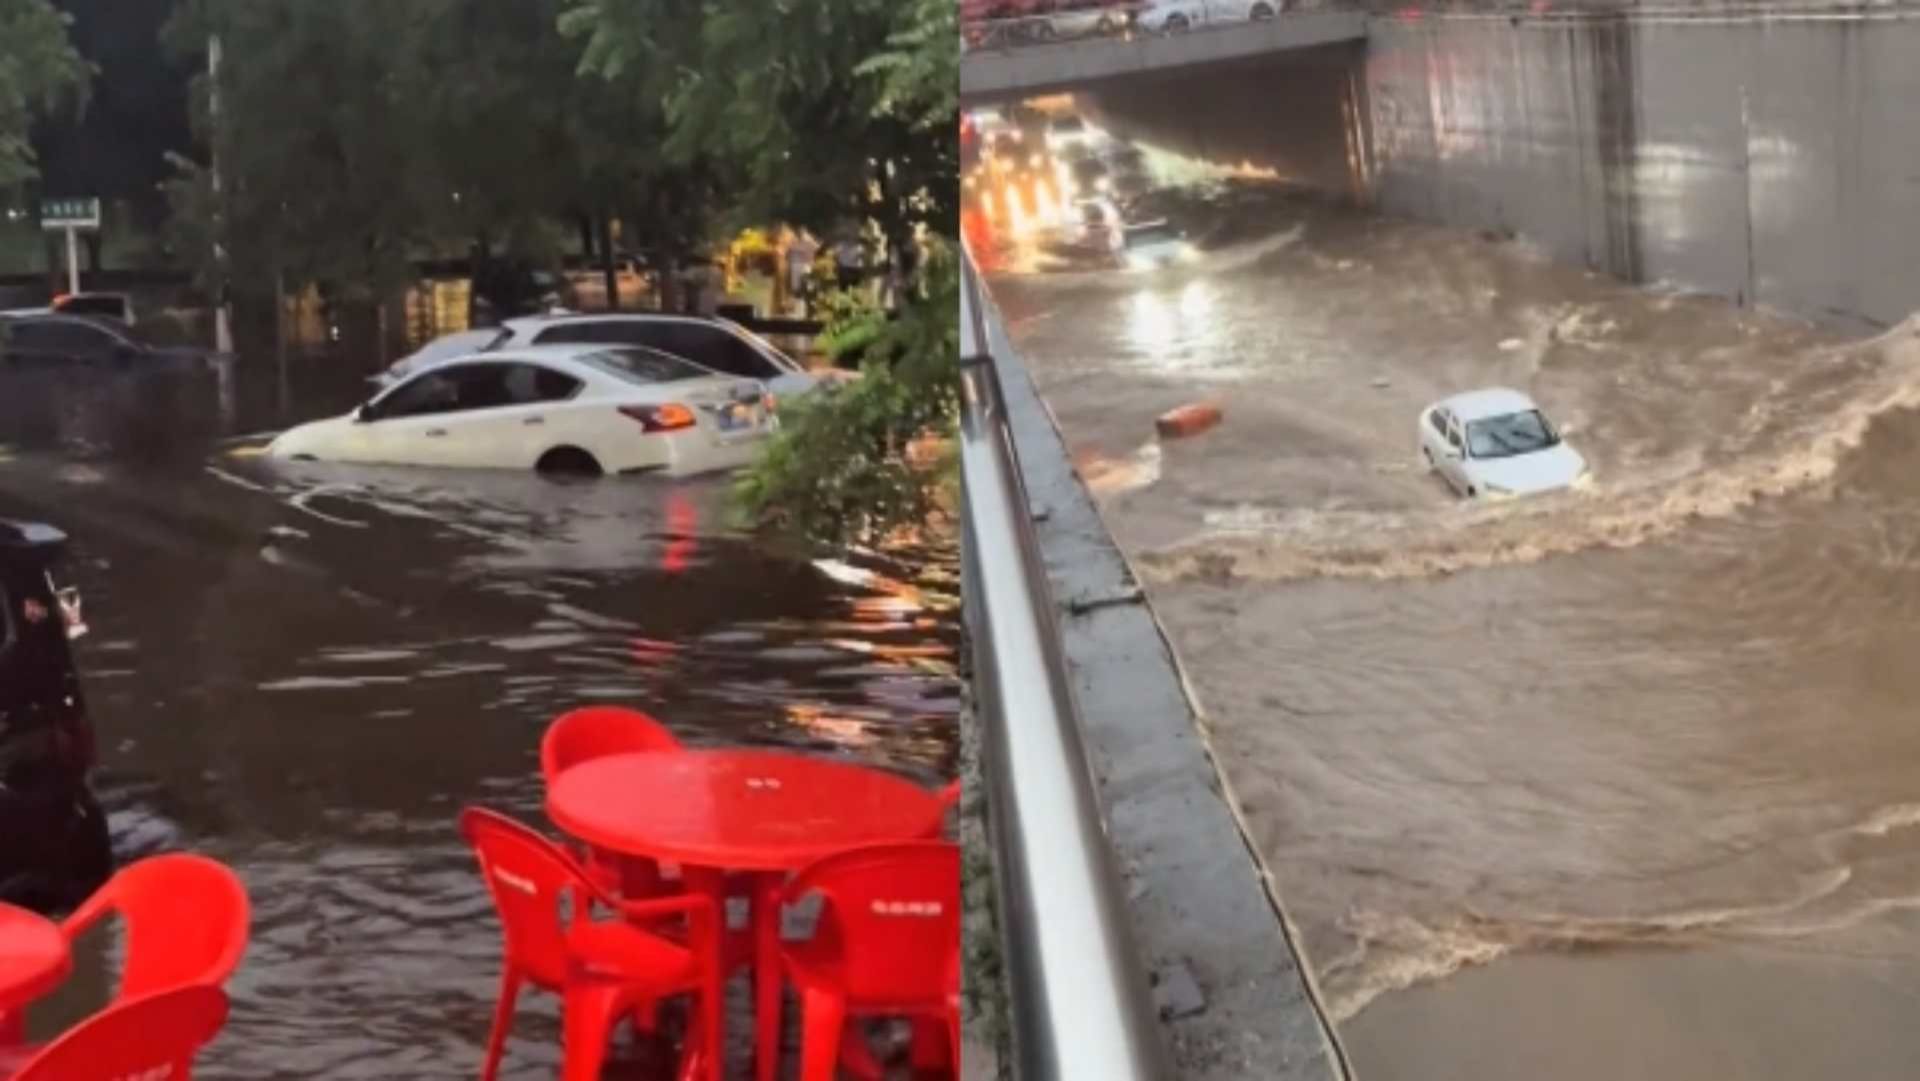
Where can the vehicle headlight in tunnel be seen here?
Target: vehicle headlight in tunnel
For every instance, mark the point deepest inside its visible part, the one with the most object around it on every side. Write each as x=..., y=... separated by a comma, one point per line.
x=1189, y=253
x=1104, y=184
x=1136, y=261
x=1034, y=161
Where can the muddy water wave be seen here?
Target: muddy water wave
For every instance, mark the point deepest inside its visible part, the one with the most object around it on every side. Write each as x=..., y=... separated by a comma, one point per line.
x=1795, y=439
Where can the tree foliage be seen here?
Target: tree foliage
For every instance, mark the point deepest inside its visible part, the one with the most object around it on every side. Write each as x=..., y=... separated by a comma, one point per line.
x=136, y=110
x=852, y=463
x=816, y=111
x=39, y=70
x=355, y=137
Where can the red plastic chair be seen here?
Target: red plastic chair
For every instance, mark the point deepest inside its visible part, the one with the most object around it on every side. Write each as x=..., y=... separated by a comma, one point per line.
x=594, y=732
x=887, y=945
x=603, y=970
x=186, y=920
x=597, y=731
x=148, y=1036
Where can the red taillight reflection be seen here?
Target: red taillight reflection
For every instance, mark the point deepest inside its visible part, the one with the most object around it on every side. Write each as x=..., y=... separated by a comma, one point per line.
x=683, y=521
x=671, y=417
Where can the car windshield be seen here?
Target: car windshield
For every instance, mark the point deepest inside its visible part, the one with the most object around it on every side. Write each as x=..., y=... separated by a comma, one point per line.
x=638, y=365
x=1140, y=236
x=453, y=345
x=1515, y=433
x=1069, y=125
x=767, y=349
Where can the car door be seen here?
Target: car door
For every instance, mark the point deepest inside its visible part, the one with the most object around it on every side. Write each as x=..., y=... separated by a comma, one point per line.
x=74, y=339
x=1453, y=460
x=410, y=425
x=535, y=417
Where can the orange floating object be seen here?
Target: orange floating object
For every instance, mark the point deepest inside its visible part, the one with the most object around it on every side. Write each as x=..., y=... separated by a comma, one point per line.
x=1187, y=420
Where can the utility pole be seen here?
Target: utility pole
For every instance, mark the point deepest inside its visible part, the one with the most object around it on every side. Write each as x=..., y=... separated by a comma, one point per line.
x=222, y=318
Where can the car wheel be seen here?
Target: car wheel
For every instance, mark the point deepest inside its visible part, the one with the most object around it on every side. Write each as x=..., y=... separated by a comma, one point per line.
x=1176, y=24
x=1472, y=492
x=1105, y=27
x=1261, y=11
x=1044, y=31
x=568, y=462
x=1427, y=453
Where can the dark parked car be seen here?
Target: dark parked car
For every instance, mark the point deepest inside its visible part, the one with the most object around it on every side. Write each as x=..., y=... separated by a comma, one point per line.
x=54, y=848
x=65, y=339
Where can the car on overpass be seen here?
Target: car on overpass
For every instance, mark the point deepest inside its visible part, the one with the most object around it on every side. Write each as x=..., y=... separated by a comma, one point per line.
x=1088, y=18
x=1177, y=16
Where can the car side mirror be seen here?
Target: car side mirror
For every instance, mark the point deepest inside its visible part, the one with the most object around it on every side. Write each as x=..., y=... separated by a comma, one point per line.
x=363, y=414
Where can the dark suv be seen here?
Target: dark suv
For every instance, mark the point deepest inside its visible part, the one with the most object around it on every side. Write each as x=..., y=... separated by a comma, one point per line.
x=54, y=848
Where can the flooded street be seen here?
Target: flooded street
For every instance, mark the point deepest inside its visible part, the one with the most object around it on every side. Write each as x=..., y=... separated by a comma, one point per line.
x=1619, y=782
x=306, y=671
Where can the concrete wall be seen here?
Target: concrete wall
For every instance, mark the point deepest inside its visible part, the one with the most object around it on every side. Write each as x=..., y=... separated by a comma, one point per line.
x=1775, y=161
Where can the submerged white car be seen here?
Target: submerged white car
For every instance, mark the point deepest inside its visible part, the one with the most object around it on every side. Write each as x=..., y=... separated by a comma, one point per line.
x=566, y=409
x=1496, y=442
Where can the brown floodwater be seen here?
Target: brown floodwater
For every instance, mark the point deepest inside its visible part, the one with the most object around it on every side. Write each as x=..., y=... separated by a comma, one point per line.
x=1622, y=782
x=306, y=672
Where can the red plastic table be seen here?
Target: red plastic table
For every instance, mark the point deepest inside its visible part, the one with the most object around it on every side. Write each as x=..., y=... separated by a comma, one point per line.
x=34, y=959
x=755, y=811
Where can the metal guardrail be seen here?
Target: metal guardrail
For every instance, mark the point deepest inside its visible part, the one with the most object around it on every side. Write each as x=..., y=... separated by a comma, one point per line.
x=1079, y=1006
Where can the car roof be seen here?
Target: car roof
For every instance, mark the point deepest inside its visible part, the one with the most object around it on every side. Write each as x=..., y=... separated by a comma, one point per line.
x=30, y=536
x=541, y=322
x=559, y=355
x=1488, y=402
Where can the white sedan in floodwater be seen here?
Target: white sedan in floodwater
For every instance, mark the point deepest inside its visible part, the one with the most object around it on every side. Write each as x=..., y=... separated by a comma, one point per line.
x=1496, y=442
x=566, y=409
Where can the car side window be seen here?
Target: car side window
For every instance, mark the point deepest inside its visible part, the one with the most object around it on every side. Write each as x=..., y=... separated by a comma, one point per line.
x=532, y=384
x=1438, y=420
x=434, y=392
x=744, y=359
x=576, y=333
x=81, y=337
x=1453, y=435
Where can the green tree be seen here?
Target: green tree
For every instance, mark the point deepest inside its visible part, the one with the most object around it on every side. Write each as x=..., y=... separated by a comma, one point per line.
x=39, y=70
x=815, y=111
x=319, y=140
x=851, y=464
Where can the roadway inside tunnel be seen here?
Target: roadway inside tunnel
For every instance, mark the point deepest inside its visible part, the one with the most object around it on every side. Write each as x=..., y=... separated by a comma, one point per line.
x=1610, y=783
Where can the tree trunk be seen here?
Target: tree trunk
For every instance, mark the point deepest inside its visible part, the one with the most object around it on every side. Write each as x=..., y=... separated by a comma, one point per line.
x=607, y=263
x=585, y=221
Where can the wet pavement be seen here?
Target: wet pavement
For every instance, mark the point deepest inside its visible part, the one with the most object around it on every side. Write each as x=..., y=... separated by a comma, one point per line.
x=1612, y=783
x=306, y=672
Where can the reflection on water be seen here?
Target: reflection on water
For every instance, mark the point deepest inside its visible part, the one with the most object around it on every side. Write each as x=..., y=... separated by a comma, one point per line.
x=306, y=670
